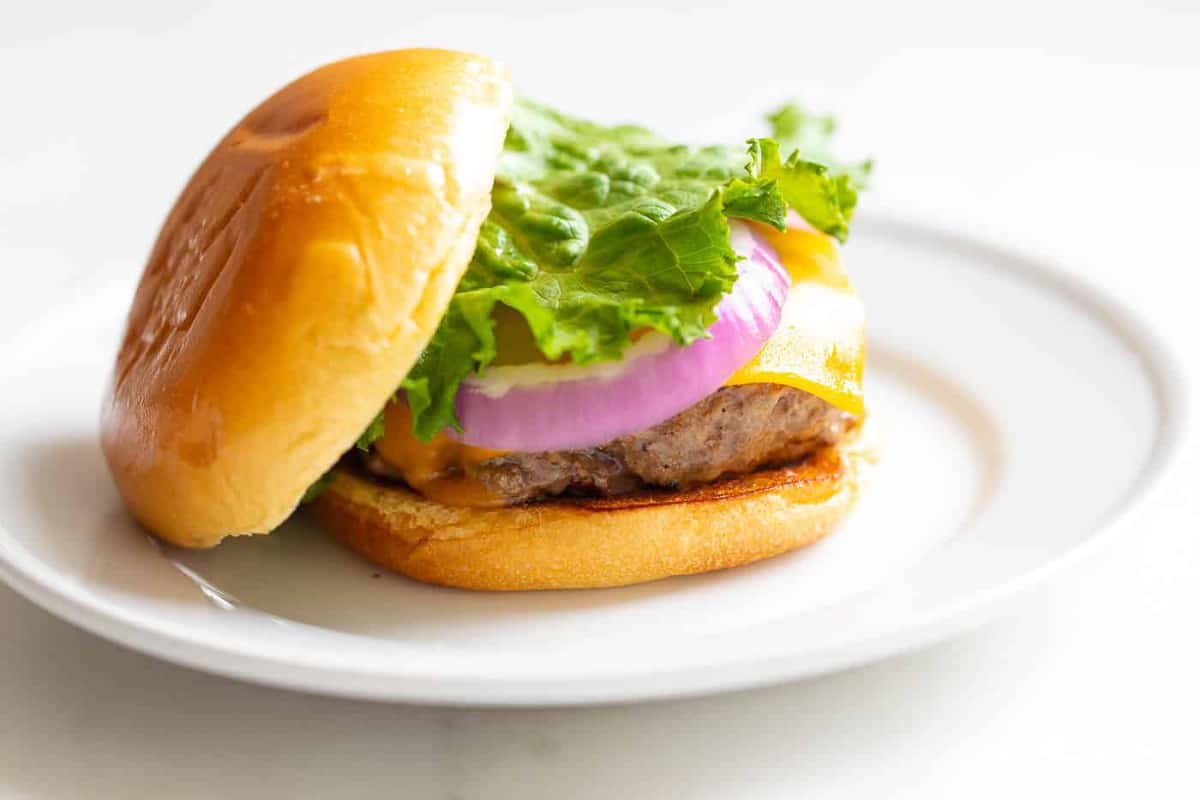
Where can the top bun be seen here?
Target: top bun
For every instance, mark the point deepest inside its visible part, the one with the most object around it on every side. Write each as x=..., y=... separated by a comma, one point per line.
x=298, y=277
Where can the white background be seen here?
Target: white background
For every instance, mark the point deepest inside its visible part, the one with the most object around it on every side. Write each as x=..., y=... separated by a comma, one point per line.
x=1071, y=132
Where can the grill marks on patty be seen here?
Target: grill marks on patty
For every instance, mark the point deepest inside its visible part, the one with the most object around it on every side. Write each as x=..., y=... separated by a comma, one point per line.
x=733, y=431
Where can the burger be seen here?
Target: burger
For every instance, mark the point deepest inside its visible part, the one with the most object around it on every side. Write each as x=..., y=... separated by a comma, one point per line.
x=493, y=346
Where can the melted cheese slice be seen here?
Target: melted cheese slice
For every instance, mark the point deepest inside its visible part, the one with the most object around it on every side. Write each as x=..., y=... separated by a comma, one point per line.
x=440, y=469
x=820, y=345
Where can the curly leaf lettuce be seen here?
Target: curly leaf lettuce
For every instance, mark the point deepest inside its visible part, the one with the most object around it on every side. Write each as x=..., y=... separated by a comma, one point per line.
x=597, y=231
x=811, y=135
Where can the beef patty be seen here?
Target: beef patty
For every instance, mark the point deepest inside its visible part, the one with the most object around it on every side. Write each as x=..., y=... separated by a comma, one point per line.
x=733, y=431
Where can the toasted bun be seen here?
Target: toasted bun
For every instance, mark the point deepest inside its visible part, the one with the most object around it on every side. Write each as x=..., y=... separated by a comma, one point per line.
x=592, y=543
x=298, y=277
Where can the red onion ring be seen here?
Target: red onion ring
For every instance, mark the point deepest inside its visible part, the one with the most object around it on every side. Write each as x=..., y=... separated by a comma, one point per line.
x=573, y=414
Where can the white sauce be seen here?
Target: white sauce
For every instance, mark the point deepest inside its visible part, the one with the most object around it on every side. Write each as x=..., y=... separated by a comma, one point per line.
x=498, y=381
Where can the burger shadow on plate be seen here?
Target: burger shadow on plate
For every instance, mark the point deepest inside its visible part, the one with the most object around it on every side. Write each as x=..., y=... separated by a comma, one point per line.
x=347, y=593
x=76, y=523
x=73, y=520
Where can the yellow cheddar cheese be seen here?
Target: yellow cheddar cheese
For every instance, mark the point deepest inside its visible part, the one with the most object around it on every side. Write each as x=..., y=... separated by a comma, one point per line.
x=820, y=345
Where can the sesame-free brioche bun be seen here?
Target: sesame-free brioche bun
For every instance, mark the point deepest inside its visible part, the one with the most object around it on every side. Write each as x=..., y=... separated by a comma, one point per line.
x=590, y=543
x=299, y=275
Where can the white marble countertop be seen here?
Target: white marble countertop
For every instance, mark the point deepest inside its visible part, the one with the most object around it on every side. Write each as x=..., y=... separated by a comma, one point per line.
x=1066, y=131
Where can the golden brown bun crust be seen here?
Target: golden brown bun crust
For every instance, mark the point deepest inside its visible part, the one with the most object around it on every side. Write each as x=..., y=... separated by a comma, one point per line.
x=295, y=281
x=586, y=544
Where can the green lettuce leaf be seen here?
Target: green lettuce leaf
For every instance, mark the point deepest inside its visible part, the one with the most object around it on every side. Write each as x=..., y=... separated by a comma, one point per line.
x=373, y=432
x=597, y=231
x=823, y=198
x=811, y=135
x=318, y=486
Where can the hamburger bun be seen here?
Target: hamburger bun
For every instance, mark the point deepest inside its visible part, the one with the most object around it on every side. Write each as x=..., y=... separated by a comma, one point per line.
x=590, y=543
x=299, y=275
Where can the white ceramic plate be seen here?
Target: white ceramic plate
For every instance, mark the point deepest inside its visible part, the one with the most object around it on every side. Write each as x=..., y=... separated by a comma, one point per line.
x=1021, y=415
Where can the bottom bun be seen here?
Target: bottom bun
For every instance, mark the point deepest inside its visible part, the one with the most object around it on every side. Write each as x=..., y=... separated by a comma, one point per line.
x=588, y=543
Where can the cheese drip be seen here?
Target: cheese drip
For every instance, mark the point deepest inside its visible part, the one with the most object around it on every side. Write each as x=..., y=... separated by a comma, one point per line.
x=440, y=469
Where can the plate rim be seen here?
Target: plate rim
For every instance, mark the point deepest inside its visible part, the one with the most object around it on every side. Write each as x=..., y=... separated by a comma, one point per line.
x=1158, y=358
